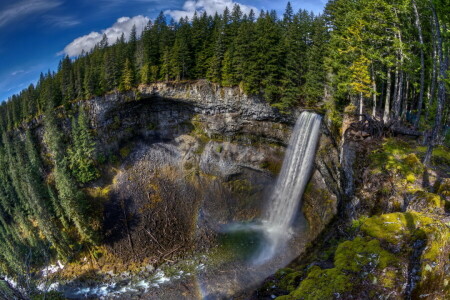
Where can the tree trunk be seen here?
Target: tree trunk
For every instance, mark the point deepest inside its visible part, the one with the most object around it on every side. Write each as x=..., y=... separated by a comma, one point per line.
x=405, y=99
x=441, y=89
x=433, y=77
x=394, y=96
x=422, y=65
x=361, y=105
x=374, y=94
x=398, y=94
x=388, y=97
x=399, y=77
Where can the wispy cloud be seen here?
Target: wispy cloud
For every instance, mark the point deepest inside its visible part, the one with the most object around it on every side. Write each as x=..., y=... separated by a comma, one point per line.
x=13, y=81
x=122, y=26
x=62, y=21
x=22, y=71
x=25, y=8
x=208, y=6
x=17, y=72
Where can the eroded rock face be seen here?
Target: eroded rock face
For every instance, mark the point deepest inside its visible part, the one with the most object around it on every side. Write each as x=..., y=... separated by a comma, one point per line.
x=225, y=145
x=324, y=192
x=194, y=156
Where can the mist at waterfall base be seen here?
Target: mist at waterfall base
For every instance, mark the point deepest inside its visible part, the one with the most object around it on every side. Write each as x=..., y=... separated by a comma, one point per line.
x=270, y=235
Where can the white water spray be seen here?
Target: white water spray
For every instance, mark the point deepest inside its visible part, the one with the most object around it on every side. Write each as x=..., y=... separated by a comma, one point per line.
x=295, y=173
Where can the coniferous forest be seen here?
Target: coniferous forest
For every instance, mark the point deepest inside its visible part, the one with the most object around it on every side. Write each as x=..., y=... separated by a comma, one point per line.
x=383, y=61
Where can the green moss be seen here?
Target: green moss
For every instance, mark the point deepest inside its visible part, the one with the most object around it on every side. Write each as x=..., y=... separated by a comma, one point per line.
x=364, y=260
x=405, y=228
x=444, y=188
x=438, y=237
x=51, y=295
x=351, y=260
x=272, y=166
x=290, y=281
x=441, y=154
x=356, y=224
x=413, y=162
x=389, y=227
x=398, y=157
x=350, y=109
x=322, y=284
x=240, y=186
x=285, y=297
x=395, y=227
x=388, y=278
x=432, y=200
x=125, y=151
x=354, y=255
x=397, y=146
x=410, y=178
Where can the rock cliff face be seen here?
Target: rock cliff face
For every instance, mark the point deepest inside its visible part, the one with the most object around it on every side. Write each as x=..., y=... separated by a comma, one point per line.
x=197, y=149
x=182, y=160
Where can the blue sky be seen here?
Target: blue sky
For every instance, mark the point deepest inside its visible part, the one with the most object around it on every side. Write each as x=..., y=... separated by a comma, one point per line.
x=34, y=34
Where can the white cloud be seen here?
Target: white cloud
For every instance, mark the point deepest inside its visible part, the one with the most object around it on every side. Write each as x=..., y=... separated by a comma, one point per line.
x=25, y=8
x=122, y=25
x=208, y=6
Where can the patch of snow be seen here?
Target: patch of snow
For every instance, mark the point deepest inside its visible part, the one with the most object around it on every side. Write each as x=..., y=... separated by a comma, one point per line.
x=51, y=269
x=160, y=277
x=11, y=281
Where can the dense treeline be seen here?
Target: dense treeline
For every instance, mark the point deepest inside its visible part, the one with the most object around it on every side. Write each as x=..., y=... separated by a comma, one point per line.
x=43, y=211
x=387, y=58
x=276, y=58
x=390, y=58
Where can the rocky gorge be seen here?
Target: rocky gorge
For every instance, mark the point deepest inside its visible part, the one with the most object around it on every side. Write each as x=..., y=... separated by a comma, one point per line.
x=181, y=161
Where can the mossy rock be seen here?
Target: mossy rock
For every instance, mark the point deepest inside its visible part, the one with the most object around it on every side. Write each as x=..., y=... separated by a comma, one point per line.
x=414, y=164
x=51, y=295
x=444, y=188
x=398, y=157
x=426, y=202
x=394, y=228
x=321, y=285
x=402, y=229
x=290, y=280
x=354, y=256
x=272, y=166
x=354, y=262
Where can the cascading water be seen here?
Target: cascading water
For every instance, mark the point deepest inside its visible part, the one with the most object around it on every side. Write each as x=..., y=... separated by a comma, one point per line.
x=294, y=175
x=291, y=183
x=260, y=247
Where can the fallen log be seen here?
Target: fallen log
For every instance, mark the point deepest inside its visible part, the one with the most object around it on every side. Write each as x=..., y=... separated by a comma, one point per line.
x=377, y=127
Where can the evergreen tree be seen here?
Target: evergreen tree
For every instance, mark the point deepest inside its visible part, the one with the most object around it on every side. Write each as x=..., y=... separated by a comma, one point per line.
x=82, y=150
x=127, y=79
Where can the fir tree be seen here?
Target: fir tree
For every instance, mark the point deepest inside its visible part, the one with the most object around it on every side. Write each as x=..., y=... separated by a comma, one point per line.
x=127, y=79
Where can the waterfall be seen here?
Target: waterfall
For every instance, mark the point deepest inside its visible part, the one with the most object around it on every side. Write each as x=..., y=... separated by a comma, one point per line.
x=295, y=173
